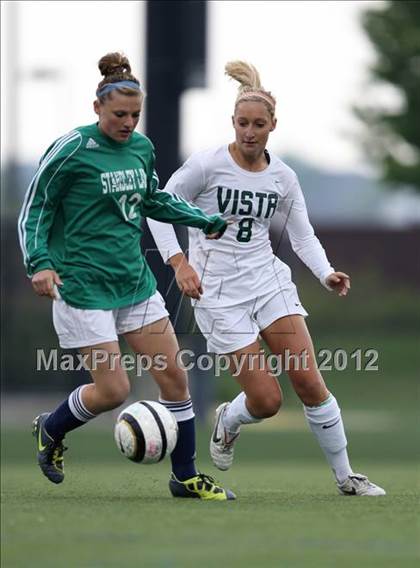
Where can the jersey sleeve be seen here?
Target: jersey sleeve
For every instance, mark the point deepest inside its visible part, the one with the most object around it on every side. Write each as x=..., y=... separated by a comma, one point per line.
x=169, y=206
x=189, y=180
x=42, y=198
x=295, y=220
x=186, y=182
x=165, y=239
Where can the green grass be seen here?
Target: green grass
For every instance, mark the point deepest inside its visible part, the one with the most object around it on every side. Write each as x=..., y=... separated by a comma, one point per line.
x=110, y=512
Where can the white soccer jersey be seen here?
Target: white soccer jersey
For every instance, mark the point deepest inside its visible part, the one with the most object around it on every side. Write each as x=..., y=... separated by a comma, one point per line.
x=241, y=265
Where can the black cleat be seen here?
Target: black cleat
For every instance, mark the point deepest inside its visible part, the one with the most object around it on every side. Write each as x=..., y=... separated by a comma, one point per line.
x=50, y=452
x=201, y=486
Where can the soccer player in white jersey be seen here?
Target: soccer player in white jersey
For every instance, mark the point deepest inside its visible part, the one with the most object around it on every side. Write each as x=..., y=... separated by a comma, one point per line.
x=244, y=290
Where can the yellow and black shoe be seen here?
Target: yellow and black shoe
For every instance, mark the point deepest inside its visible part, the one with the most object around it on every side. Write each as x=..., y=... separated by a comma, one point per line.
x=50, y=452
x=201, y=486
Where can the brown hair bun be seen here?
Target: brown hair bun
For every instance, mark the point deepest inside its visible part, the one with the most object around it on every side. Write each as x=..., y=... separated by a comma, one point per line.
x=114, y=63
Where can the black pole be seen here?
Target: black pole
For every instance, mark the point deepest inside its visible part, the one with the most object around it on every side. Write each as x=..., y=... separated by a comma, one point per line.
x=176, y=60
x=176, y=55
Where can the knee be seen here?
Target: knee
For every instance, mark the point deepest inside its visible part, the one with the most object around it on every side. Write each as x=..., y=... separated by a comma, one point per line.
x=267, y=405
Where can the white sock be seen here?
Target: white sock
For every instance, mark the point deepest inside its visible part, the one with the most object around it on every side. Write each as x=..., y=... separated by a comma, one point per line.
x=326, y=423
x=237, y=414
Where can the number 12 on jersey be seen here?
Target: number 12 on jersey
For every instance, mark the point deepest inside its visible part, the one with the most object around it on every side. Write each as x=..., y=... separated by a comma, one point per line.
x=245, y=230
x=133, y=201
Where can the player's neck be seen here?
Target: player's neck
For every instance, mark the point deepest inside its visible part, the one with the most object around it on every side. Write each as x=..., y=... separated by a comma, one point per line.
x=250, y=163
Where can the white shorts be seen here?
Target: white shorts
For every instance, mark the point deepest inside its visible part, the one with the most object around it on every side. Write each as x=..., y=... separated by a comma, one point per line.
x=230, y=328
x=84, y=328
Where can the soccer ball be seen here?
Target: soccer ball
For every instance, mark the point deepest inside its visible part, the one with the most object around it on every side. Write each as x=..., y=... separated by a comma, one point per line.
x=146, y=432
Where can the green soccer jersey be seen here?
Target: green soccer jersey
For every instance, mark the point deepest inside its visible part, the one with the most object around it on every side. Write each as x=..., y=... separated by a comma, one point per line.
x=82, y=217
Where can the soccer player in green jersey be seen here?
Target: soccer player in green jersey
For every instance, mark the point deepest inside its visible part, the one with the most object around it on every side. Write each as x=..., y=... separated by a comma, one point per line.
x=79, y=230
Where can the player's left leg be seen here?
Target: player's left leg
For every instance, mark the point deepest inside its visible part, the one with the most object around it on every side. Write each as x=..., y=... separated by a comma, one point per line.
x=289, y=337
x=159, y=337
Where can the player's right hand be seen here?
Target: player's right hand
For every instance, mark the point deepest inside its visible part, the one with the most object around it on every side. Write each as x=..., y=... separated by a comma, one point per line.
x=44, y=282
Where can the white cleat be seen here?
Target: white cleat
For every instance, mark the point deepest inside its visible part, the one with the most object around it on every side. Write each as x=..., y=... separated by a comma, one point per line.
x=221, y=443
x=358, y=484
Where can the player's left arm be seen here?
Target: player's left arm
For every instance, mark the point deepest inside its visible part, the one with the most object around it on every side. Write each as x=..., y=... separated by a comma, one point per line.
x=306, y=244
x=171, y=208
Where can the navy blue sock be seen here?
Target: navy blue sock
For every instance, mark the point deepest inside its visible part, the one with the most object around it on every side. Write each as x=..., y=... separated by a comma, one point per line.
x=183, y=456
x=71, y=414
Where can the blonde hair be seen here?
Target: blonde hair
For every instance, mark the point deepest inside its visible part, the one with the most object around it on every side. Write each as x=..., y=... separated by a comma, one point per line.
x=250, y=88
x=115, y=67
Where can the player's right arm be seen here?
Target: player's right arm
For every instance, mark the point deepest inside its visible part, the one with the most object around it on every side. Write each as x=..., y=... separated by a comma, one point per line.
x=186, y=182
x=42, y=198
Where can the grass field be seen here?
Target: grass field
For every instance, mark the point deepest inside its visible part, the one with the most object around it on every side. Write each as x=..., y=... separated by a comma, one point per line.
x=110, y=512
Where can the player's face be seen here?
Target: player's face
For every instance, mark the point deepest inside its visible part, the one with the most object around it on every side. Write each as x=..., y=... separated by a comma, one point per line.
x=252, y=123
x=118, y=115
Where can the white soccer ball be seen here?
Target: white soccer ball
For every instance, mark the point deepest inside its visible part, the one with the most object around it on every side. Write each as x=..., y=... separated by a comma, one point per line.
x=146, y=432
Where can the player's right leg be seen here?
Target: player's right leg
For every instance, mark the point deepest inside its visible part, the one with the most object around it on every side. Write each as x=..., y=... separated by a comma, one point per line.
x=83, y=330
x=109, y=389
x=261, y=397
x=232, y=332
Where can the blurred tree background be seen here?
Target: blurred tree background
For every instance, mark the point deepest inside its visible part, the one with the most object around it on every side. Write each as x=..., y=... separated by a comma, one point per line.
x=393, y=136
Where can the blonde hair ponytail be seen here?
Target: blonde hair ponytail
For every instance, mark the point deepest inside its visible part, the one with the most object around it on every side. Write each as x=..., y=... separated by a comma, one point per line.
x=250, y=88
x=245, y=73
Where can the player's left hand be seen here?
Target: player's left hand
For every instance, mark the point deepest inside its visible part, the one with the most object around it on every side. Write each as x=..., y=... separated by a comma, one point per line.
x=339, y=282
